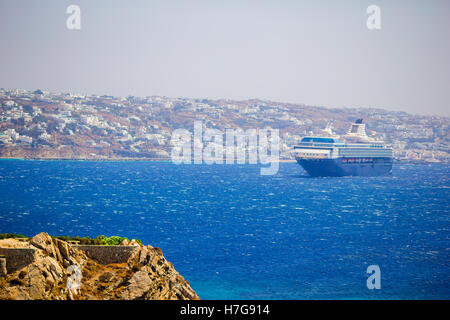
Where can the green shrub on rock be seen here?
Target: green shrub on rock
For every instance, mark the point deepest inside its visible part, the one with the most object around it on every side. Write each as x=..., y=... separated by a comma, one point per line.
x=115, y=241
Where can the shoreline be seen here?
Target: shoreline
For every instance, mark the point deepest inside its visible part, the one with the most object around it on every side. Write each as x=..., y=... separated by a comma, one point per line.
x=170, y=160
x=112, y=159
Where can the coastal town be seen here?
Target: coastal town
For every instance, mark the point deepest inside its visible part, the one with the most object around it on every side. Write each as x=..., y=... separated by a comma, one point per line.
x=42, y=125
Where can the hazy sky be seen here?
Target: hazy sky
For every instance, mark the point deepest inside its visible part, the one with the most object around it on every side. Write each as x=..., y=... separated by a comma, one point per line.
x=313, y=52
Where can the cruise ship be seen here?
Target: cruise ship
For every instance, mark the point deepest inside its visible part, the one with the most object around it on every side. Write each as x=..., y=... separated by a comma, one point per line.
x=353, y=154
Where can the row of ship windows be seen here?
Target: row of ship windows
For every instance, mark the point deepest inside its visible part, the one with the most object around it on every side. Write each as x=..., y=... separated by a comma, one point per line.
x=365, y=154
x=312, y=154
x=357, y=160
x=365, y=149
x=360, y=154
x=341, y=145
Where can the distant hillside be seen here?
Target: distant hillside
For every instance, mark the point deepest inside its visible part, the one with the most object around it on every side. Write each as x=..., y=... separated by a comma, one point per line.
x=45, y=125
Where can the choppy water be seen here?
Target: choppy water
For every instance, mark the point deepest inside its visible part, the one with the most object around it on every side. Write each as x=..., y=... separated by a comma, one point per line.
x=234, y=234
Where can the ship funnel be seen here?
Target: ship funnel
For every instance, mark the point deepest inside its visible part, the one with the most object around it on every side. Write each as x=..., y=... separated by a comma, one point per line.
x=357, y=132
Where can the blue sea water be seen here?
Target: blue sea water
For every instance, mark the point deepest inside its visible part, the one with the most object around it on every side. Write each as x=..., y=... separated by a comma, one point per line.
x=234, y=234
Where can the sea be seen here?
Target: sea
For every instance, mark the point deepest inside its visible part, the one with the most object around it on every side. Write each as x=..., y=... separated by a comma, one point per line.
x=235, y=234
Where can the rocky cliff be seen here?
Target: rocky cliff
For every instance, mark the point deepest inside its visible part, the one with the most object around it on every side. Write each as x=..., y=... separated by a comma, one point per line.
x=60, y=271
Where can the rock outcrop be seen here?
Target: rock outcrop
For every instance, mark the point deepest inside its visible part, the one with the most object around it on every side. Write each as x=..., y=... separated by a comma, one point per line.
x=61, y=271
